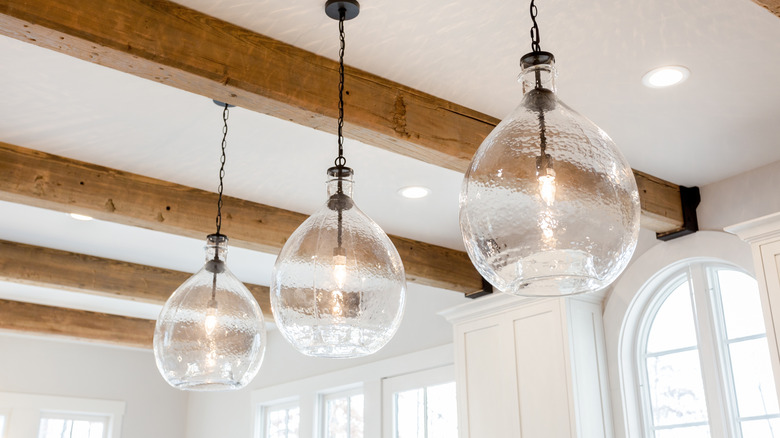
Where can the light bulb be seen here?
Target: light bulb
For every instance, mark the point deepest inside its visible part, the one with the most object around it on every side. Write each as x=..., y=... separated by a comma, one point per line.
x=210, y=334
x=210, y=323
x=546, y=177
x=548, y=206
x=338, y=286
x=339, y=267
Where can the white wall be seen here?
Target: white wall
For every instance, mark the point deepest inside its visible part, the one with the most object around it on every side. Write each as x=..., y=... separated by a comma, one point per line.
x=742, y=197
x=35, y=365
x=229, y=414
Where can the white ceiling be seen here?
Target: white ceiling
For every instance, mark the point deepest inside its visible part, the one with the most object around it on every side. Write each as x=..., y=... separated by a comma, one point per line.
x=721, y=122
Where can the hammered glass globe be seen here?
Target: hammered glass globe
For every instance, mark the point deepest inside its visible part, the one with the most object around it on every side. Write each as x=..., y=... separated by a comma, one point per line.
x=338, y=287
x=210, y=335
x=548, y=206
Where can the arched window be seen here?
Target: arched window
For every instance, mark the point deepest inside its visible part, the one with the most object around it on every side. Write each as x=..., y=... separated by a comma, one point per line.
x=701, y=356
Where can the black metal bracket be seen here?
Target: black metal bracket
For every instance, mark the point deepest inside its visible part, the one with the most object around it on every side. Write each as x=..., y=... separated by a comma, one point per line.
x=690, y=198
x=487, y=289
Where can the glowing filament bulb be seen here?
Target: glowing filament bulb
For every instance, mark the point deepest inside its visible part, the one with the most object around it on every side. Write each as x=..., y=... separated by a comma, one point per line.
x=547, y=186
x=339, y=267
x=210, y=322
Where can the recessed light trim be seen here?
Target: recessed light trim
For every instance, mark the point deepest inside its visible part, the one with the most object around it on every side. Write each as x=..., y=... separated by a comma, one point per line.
x=414, y=192
x=665, y=76
x=80, y=217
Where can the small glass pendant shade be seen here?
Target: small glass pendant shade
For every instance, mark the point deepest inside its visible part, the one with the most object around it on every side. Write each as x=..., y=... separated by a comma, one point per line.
x=210, y=335
x=548, y=206
x=338, y=287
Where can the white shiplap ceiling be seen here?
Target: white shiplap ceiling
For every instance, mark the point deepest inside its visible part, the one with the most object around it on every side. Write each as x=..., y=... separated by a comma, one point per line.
x=719, y=123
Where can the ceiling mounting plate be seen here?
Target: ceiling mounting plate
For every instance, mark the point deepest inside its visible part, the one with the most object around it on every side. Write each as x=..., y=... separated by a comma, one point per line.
x=221, y=104
x=351, y=9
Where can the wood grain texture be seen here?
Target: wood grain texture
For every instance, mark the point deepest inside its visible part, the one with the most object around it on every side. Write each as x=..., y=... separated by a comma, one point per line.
x=49, y=181
x=168, y=43
x=76, y=324
x=660, y=202
x=34, y=265
x=772, y=6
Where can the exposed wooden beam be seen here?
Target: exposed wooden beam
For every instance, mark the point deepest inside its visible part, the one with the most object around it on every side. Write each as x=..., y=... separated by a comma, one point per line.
x=47, y=267
x=168, y=43
x=49, y=181
x=772, y=6
x=76, y=324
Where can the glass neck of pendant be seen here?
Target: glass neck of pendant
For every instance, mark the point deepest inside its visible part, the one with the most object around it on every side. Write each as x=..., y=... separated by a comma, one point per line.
x=216, y=245
x=336, y=185
x=538, y=76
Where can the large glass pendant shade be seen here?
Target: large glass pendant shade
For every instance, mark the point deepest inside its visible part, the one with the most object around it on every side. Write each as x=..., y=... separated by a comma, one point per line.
x=548, y=206
x=338, y=286
x=210, y=335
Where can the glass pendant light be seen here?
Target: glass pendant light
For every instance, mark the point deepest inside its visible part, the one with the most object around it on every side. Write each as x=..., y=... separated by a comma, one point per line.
x=548, y=206
x=210, y=335
x=338, y=286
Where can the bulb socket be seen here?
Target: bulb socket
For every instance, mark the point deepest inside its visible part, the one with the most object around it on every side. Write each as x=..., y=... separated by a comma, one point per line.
x=215, y=266
x=340, y=202
x=540, y=99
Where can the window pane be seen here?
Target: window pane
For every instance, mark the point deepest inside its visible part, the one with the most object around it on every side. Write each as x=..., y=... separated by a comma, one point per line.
x=442, y=411
x=684, y=432
x=2, y=426
x=344, y=417
x=676, y=388
x=67, y=428
x=753, y=379
x=410, y=414
x=338, y=418
x=673, y=325
x=761, y=428
x=356, y=416
x=741, y=304
x=293, y=419
x=282, y=422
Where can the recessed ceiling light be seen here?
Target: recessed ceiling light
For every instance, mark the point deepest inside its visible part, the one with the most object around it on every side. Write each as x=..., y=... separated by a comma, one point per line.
x=414, y=192
x=80, y=217
x=665, y=76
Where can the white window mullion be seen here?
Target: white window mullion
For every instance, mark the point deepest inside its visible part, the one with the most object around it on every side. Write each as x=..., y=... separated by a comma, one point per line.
x=710, y=356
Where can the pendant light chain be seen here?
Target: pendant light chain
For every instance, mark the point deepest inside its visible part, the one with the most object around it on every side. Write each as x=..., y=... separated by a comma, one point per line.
x=225, y=116
x=534, y=29
x=340, y=160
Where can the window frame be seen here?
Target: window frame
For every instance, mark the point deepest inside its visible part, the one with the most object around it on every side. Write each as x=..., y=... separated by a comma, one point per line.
x=405, y=382
x=712, y=343
x=77, y=416
x=367, y=375
x=348, y=393
x=25, y=412
x=5, y=414
x=265, y=408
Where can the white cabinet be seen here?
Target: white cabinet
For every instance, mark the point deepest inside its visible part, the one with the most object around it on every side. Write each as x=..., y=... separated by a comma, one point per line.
x=529, y=368
x=763, y=234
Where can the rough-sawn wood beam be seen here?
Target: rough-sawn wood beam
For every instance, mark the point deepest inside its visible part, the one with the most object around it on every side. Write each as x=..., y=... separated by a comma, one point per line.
x=49, y=181
x=772, y=6
x=76, y=324
x=168, y=43
x=37, y=266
